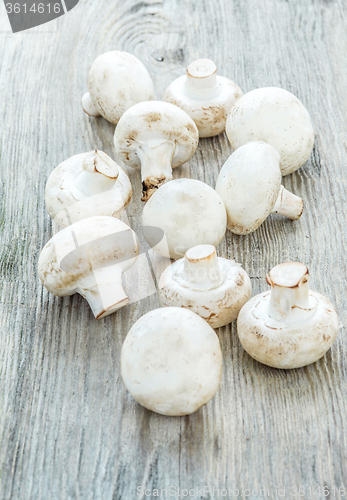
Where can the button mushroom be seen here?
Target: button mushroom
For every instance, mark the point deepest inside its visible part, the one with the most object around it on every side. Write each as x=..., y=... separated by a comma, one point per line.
x=212, y=287
x=88, y=258
x=116, y=81
x=87, y=184
x=205, y=96
x=275, y=116
x=171, y=361
x=249, y=184
x=156, y=136
x=291, y=326
x=189, y=212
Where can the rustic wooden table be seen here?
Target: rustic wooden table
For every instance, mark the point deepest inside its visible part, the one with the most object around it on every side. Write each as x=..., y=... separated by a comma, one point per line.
x=68, y=427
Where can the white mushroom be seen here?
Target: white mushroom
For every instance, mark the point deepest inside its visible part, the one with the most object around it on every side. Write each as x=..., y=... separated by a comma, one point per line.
x=212, y=287
x=88, y=258
x=249, y=184
x=275, y=116
x=291, y=326
x=116, y=81
x=156, y=137
x=87, y=184
x=171, y=361
x=189, y=212
x=205, y=96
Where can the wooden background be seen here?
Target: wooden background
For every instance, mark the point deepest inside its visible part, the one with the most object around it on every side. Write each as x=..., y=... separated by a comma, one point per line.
x=68, y=427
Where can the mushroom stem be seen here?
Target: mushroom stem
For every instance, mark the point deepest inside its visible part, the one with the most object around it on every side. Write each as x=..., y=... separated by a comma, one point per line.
x=201, y=74
x=88, y=106
x=155, y=165
x=99, y=173
x=201, y=267
x=289, y=300
x=104, y=291
x=288, y=204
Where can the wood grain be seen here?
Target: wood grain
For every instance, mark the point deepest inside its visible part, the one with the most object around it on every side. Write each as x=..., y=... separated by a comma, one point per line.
x=68, y=427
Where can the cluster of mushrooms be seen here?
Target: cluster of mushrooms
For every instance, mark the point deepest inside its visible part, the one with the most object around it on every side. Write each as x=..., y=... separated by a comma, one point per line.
x=171, y=359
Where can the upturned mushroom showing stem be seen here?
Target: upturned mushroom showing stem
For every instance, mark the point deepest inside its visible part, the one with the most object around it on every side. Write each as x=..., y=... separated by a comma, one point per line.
x=212, y=287
x=291, y=326
x=249, y=184
x=205, y=96
x=156, y=137
x=116, y=81
x=88, y=258
x=87, y=184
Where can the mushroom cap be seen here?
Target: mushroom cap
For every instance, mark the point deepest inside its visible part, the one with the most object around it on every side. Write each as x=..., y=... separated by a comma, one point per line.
x=189, y=212
x=78, y=250
x=209, y=109
x=218, y=306
x=280, y=346
x=67, y=204
x=116, y=81
x=249, y=184
x=155, y=120
x=171, y=361
x=275, y=116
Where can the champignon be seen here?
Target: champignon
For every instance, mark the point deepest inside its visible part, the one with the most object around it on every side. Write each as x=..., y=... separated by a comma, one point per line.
x=290, y=326
x=205, y=96
x=212, y=287
x=116, y=81
x=275, y=116
x=88, y=258
x=249, y=184
x=156, y=137
x=84, y=185
x=189, y=212
x=171, y=361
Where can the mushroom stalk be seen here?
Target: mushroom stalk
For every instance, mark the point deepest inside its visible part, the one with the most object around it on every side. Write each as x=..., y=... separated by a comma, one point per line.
x=104, y=291
x=99, y=173
x=289, y=300
x=156, y=157
x=201, y=267
x=201, y=74
x=288, y=204
x=88, y=106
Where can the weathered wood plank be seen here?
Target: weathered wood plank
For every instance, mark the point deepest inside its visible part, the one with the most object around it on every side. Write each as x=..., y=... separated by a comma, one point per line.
x=68, y=427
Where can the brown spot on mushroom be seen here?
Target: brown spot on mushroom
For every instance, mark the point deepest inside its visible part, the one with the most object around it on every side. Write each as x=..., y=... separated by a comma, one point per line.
x=240, y=281
x=132, y=136
x=190, y=128
x=152, y=117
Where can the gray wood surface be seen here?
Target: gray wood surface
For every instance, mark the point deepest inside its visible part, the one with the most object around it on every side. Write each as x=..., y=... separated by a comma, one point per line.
x=68, y=427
